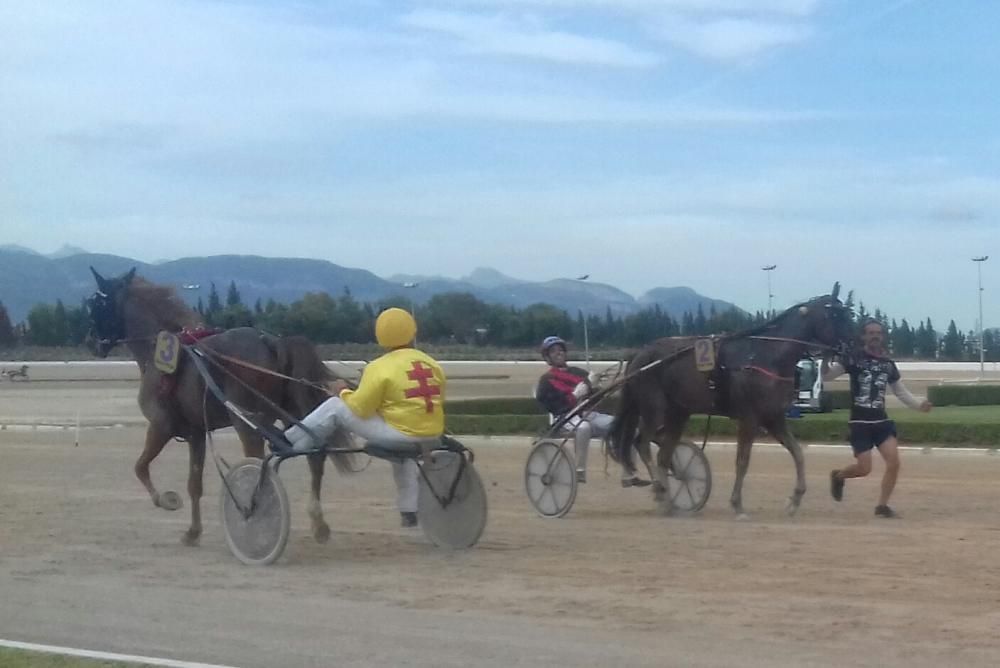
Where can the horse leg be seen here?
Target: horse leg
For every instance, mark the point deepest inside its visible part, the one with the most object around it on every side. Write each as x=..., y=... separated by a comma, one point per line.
x=196, y=470
x=779, y=429
x=667, y=437
x=320, y=529
x=156, y=439
x=744, y=442
x=253, y=446
x=646, y=455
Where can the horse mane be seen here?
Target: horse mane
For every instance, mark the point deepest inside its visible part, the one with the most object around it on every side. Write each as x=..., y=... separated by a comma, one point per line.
x=163, y=301
x=761, y=329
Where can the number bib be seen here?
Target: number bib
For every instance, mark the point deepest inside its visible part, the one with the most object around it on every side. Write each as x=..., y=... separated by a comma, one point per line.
x=167, y=352
x=704, y=353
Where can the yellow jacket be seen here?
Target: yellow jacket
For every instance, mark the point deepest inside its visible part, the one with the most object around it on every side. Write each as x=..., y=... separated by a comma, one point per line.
x=406, y=387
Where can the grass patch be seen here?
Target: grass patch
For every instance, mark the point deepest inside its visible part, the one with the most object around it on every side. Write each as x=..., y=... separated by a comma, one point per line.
x=15, y=658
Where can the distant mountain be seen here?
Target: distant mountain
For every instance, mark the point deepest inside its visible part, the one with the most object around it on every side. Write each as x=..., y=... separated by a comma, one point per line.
x=486, y=277
x=679, y=300
x=14, y=248
x=66, y=251
x=419, y=278
x=27, y=278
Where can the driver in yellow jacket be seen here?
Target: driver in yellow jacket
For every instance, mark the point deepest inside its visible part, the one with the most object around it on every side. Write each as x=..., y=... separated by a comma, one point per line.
x=400, y=399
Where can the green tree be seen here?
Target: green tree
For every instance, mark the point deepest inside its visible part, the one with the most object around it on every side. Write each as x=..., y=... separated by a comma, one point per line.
x=903, y=339
x=41, y=325
x=214, y=303
x=951, y=344
x=7, y=335
x=700, y=323
x=927, y=343
x=314, y=316
x=78, y=320
x=60, y=325
x=990, y=351
x=453, y=316
x=232, y=295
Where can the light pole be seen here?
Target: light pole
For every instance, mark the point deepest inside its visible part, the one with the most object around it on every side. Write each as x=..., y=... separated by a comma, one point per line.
x=770, y=297
x=586, y=337
x=410, y=286
x=979, y=269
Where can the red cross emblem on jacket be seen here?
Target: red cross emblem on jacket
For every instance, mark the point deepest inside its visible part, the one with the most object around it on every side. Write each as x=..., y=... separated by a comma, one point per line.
x=422, y=374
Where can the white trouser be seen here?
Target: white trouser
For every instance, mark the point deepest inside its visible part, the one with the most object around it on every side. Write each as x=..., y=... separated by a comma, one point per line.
x=333, y=413
x=584, y=427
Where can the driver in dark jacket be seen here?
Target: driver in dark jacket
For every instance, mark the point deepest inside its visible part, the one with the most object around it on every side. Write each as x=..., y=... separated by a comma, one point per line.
x=560, y=390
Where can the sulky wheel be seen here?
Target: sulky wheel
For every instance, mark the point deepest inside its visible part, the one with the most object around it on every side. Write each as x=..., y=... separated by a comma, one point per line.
x=689, y=480
x=550, y=479
x=452, y=501
x=255, y=513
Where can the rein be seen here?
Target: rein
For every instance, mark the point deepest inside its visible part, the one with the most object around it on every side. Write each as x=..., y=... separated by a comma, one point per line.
x=259, y=369
x=769, y=373
x=781, y=339
x=232, y=360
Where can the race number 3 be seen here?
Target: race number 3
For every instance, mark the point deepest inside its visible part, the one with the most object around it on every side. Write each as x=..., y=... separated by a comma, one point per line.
x=704, y=354
x=166, y=355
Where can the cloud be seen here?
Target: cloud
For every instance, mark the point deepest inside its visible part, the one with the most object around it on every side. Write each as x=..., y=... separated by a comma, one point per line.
x=502, y=36
x=116, y=137
x=730, y=39
x=721, y=30
x=792, y=8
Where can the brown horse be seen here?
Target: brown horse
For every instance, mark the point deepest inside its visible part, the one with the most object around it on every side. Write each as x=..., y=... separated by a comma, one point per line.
x=132, y=311
x=752, y=383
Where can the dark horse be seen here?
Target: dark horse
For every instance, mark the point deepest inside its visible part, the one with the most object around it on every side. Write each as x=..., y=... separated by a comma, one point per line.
x=132, y=311
x=752, y=383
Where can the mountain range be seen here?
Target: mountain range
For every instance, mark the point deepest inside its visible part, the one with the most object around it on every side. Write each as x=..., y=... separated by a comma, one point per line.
x=28, y=278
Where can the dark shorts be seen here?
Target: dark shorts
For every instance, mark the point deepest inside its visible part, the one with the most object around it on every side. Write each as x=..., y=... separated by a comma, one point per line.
x=865, y=435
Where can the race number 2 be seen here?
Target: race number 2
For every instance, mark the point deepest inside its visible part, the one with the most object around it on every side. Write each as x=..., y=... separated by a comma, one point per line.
x=704, y=354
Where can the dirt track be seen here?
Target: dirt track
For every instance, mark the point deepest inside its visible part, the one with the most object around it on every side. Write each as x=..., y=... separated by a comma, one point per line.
x=86, y=561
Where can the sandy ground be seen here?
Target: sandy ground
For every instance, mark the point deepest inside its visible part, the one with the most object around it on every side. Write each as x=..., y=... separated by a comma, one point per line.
x=87, y=561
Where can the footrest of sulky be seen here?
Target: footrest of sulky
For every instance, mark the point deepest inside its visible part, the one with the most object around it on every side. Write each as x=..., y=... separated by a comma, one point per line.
x=399, y=450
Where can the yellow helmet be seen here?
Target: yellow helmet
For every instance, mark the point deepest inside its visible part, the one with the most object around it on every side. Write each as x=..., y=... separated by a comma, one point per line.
x=395, y=328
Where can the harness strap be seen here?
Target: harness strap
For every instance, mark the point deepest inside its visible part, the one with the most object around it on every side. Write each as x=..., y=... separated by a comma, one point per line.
x=259, y=369
x=198, y=357
x=769, y=373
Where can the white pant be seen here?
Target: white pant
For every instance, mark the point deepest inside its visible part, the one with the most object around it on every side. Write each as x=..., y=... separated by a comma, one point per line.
x=333, y=413
x=584, y=427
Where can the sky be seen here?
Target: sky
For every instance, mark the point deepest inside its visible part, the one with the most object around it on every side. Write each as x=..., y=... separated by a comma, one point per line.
x=645, y=142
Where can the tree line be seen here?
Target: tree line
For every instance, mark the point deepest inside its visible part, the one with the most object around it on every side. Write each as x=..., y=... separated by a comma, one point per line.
x=461, y=318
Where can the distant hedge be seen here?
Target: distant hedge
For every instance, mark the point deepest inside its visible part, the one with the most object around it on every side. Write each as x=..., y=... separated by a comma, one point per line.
x=964, y=395
x=504, y=406
x=830, y=428
x=840, y=398
x=528, y=406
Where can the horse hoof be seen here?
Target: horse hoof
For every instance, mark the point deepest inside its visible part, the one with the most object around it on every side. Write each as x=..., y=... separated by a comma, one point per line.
x=659, y=492
x=791, y=507
x=191, y=537
x=742, y=517
x=321, y=533
x=169, y=501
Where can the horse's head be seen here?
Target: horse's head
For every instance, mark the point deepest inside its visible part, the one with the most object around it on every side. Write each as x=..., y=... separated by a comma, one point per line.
x=828, y=321
x=107, y=312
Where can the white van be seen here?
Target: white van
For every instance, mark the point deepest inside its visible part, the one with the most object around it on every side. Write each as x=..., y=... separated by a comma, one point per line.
x=810, y=395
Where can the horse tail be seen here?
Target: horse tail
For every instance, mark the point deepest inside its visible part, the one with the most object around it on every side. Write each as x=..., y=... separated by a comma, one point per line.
x=298, y=358
x=625, y=427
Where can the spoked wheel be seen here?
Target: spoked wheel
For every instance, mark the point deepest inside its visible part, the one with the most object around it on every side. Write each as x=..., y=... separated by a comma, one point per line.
x=258, y=536
x=550, y=479
x=689, y=480
x=451, y=520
